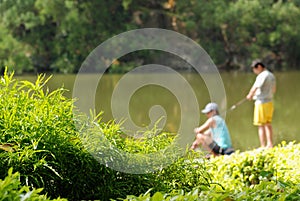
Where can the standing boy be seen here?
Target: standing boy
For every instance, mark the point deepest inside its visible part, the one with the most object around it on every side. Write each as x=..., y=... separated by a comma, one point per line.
x=262, y=92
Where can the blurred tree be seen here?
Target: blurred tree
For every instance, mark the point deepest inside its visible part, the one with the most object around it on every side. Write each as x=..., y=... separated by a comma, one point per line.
x=56, y=36
x=59, y=34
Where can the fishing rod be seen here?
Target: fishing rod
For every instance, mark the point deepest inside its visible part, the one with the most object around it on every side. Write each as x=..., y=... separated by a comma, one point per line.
x=234, y=106
x=237, y=104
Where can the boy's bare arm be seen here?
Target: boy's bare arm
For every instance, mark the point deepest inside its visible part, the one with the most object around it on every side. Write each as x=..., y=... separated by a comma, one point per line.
x=204, y=127
x=251, y=93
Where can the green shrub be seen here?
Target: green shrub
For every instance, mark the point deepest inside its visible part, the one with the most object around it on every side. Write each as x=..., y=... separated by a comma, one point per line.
x=185, y=174
x=41, y=140
x=262, y=175
x=11, y=189
x=44, y=147
x=251, y=167
x=246, y=169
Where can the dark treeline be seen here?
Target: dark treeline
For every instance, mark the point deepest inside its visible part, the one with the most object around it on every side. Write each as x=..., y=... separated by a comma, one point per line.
x=56, y=36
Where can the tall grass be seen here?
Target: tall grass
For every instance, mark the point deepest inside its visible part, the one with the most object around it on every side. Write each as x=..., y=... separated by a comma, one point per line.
x=11, y=189
x=40, y=140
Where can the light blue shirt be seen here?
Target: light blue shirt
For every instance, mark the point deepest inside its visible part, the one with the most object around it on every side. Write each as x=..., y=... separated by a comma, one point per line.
x=220, y=132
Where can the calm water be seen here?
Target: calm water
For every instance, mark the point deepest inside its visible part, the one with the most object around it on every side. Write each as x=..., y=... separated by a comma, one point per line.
x=244, y=135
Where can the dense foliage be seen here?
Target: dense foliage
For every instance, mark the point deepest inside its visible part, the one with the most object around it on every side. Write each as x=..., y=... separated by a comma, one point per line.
x=11, y=189
x=40, y=141
x=264, y=175
x=53, y=35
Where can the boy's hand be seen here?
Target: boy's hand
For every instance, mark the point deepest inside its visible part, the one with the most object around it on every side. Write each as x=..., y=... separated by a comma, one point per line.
x=249, y=97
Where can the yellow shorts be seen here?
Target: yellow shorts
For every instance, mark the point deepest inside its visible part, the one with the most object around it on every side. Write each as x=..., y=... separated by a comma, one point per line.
x=263, y=113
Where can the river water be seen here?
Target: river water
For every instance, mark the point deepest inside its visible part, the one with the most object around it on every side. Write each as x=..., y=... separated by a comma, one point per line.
x=139, y=102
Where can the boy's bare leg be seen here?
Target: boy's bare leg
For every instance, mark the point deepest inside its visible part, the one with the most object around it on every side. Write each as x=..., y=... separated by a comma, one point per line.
x=262, y=136
x=195, y=144
x=202, y=139
x=269, y=135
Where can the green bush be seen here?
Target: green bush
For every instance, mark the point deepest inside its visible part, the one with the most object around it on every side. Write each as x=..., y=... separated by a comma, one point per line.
x=264, y=175
x=56, y=148
x=39, y=140
x=11, y=189
x=247, y=168
x=251, y=167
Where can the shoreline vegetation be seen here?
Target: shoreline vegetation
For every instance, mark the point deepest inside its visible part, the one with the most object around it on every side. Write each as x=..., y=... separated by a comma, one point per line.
x=43, y=156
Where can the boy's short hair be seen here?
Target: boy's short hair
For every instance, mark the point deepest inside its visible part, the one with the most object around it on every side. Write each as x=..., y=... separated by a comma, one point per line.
x=257, y=62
